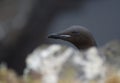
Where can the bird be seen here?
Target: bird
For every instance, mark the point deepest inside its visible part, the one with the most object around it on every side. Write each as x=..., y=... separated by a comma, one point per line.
x=87, y=61
x=78, y=35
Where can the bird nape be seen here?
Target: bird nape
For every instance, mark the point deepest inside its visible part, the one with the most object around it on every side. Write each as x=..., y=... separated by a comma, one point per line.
x=77, y=35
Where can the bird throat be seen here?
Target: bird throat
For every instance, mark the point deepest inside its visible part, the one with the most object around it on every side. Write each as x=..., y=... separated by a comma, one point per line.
x=84, y=45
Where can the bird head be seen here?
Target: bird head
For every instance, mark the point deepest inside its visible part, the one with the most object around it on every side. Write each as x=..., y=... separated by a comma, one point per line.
x=77, y=35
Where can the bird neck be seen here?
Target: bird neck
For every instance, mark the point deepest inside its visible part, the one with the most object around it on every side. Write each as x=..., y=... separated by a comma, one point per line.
x=84, y=46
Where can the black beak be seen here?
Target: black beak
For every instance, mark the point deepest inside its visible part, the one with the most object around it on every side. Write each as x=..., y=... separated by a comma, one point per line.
x=54, y=36
x=58, y=36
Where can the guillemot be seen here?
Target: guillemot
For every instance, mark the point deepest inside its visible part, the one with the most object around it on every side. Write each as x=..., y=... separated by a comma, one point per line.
x=87, y=57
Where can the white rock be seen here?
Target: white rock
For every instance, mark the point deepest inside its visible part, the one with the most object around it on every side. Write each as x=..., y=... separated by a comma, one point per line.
x=48, y=62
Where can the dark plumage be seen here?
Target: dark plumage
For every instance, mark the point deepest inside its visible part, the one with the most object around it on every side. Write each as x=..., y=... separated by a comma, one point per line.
x=77, y=35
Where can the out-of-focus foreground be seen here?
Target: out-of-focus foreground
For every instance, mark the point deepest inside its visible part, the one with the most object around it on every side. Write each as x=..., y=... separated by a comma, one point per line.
x=61, y=64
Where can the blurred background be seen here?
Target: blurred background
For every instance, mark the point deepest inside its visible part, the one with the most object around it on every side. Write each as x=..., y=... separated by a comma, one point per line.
x=25, y=24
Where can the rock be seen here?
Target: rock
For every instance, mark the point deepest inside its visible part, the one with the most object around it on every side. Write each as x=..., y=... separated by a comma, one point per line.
x=48, y=61
x=112, y=52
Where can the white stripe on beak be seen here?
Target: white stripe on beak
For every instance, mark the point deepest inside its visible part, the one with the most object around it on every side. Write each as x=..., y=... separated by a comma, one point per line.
x=67, y=36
